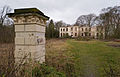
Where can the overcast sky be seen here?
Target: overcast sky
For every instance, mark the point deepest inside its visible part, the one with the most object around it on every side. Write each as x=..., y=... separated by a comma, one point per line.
x=66, y=10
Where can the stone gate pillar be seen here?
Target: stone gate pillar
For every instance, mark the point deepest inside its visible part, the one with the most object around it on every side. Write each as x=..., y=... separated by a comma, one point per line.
x=29, y=34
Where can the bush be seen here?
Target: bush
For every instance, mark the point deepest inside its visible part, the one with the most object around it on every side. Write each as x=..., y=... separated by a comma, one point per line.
x=111, y=68
x=45, y=71
x=66, y=36
x=7, y=34
x=83, y=38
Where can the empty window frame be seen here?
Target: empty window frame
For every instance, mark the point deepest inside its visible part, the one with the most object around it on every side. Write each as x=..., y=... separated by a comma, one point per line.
x=75, y=28
x=67, y=34
x=82, y=34
x=86, y=34
x=97, y=29
x=75, y=34
x=61, y=34
x=89, y=29
x=71, y=29
x=82, y=29
x=66, y=29
x=97, y=34
x=85, y=29
x=89, y=34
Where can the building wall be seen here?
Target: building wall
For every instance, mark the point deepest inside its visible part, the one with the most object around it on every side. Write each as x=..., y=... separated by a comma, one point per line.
x=76, y=31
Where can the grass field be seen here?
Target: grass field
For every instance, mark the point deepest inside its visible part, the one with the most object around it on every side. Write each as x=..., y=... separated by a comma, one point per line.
x=71, y=58
x=84, y=58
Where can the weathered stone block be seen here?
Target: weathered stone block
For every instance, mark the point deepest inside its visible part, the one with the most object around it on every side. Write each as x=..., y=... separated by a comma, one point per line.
x=40, y=28
x=35, y=27
x=30, y=41
x=19, y=40
x=20, y=34
x=30, y=27
x=19, y=28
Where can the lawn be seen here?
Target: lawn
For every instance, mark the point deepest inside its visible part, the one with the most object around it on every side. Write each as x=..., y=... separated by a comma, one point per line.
x=83, y=58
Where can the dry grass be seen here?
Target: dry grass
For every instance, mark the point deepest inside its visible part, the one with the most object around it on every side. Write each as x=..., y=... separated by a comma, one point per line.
x=55, y=51
x=6, y=58
x=71, y=57
x=6, y=53
x=53, y=56
x=59, y=57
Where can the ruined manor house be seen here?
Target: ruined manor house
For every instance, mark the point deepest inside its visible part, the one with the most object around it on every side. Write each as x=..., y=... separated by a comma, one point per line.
x=77, y=31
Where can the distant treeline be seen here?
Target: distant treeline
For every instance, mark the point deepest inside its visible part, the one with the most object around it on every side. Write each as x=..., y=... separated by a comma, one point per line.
x=109, y=18
x=51, y=30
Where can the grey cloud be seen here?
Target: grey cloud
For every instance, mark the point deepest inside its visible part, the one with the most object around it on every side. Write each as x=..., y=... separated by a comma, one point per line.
x=66, y=10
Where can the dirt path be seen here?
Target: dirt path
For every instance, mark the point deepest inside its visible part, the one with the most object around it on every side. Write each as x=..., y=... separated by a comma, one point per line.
x=89, y=67
x=84, y=53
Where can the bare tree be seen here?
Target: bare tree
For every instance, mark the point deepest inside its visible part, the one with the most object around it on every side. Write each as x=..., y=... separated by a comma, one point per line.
x=3, y=14
x=59, y=24
x=86, y=20
x=110, y=18
x=6, y=31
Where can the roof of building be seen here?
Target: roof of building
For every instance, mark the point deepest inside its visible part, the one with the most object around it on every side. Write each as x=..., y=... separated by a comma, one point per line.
x=77, y=26
x=27, y=10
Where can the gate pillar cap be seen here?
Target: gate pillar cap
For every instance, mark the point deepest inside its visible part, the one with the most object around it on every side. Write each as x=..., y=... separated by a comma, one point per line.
x=28, y=11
